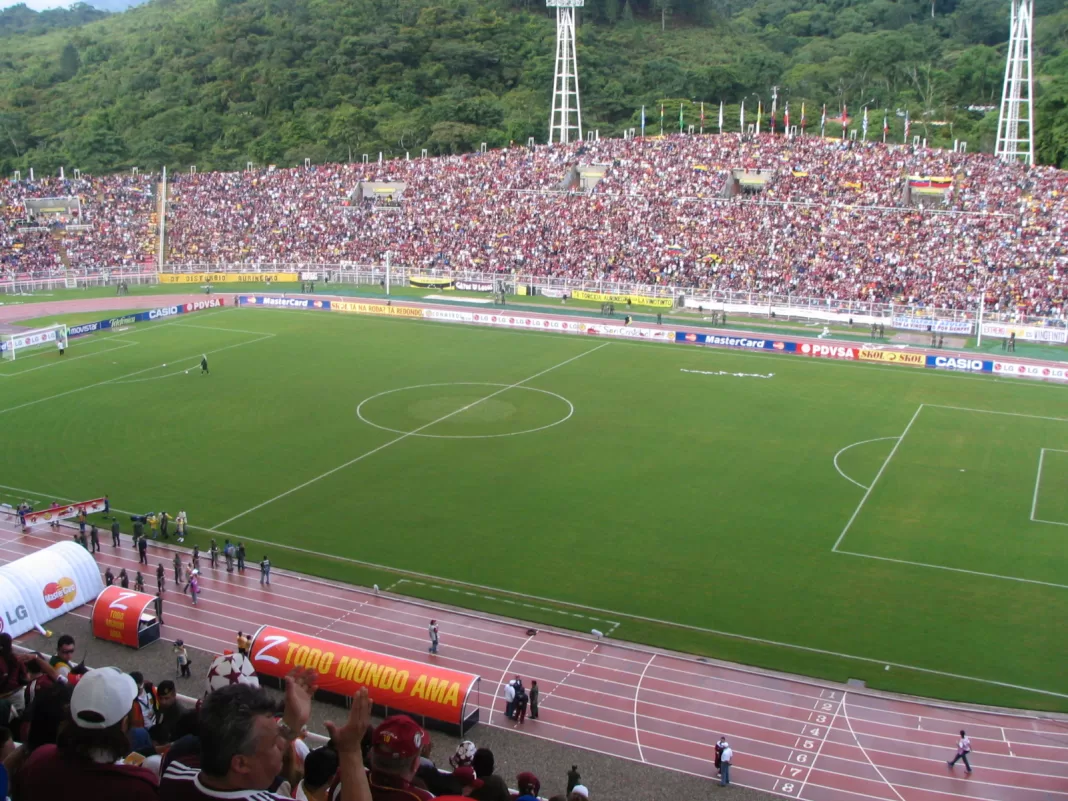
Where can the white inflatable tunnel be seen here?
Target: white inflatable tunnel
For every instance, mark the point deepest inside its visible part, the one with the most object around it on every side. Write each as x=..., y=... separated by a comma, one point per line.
x=44, y=585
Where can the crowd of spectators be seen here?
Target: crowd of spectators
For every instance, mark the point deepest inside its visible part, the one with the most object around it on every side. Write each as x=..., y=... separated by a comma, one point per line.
x=115, y=735
x=827, y=218
x=101, y=225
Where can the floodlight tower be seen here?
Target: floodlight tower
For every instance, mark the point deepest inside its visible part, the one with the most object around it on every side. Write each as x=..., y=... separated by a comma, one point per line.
x=565, y=122
x=1014, y=144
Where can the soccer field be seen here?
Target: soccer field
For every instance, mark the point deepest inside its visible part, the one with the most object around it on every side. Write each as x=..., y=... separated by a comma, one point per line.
x=813, y=516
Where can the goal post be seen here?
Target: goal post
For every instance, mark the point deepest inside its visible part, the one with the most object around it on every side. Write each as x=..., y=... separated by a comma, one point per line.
x=52, y=336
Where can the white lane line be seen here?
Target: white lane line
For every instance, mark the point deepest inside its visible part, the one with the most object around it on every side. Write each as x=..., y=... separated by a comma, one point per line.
x=404, y=436
x=845, y=716
x=504, y=675
x=637, y=729
x=876, y=479
x=823, y=742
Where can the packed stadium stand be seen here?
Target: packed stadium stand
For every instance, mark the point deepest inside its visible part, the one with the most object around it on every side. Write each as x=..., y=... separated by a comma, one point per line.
x=804, y=216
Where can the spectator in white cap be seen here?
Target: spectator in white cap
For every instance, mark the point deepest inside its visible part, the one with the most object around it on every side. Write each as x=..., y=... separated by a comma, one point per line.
x=90, y=746
x=579, y=793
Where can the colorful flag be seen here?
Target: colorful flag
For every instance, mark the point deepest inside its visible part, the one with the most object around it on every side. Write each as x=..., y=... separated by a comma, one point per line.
x=804, y=119
x=823, y=120
x=908, y=126
x=760, y=112
x=786, y=119
x=845, y=118
x=721, y=116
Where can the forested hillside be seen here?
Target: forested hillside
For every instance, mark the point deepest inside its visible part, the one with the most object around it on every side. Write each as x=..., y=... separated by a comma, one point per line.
x=218, y=83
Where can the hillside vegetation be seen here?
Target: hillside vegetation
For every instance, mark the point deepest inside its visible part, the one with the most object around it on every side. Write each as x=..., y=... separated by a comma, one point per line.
x=218, y=83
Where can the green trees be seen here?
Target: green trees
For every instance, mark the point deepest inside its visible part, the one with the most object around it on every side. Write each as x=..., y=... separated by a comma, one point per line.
x=218, y=83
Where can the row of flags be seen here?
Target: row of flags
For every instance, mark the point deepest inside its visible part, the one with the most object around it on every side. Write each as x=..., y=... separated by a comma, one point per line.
x=843, y=119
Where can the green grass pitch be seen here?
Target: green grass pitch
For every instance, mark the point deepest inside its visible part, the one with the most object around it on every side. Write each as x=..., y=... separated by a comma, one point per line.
x=723, y=515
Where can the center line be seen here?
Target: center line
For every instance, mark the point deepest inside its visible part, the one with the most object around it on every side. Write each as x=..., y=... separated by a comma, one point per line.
x=405, y=436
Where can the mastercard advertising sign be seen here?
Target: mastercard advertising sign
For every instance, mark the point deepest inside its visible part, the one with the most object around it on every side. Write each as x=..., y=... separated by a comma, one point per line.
x=399, y=684
x=61, y=592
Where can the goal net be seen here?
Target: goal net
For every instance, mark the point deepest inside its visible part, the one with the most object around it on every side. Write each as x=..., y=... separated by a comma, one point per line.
x=22, y=343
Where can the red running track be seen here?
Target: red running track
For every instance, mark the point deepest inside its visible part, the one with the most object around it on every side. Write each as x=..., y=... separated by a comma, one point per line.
x=799, y=739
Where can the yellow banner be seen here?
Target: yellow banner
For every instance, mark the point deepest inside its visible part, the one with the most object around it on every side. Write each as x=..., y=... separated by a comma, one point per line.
x=895, y=356
x=375, y=308
x=226, y=278
x=637, y=300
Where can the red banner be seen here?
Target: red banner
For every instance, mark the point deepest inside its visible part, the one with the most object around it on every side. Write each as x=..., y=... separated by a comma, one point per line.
x=65, y=512
x=117, y=614
x=401, y=684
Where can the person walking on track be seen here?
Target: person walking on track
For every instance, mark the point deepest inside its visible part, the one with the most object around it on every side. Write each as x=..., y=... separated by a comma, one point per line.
x=964, y=747
x=726, y=756
x=432, y=630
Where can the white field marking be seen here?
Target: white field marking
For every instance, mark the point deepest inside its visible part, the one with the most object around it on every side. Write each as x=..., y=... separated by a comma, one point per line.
x=612, y=624
x=992, y=411
x=64, y=360
x=218, y=328
x=1038, y=480
x=564, y=419
x=644, y=618
x=845, y=716
x=128, y=375
x=507, y=668
x=637, y=690
x=961, y=569
x=875, y=480
x=405, y=436
x=1007, y=743
x=846, y=448
x=194, y=365
x=826, y=734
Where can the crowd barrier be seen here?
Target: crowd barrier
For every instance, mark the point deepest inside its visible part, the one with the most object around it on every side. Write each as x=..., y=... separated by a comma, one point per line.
x=568, y=325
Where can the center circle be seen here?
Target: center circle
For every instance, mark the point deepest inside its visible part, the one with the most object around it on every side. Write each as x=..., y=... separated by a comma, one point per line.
x=490, y=408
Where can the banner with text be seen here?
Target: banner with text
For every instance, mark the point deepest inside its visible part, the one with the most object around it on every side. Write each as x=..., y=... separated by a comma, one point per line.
x=429, y=282
x=910, y=323
x=117, y=614
x=226, y=278
x=891, y=357
x=54, y=513
x=720, y=341
x=960, y=363
x=1031, y=333
x=399, y=684
x=1043, y=372
x=140, y=317
x=827, y=351
x=375, y=308
x=637, y=300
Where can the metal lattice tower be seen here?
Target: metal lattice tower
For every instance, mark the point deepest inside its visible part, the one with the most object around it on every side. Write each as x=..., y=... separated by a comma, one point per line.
x=1016, y=127
x=565, y=121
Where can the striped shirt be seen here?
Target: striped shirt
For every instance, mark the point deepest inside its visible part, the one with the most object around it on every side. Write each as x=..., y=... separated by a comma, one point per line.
x=182, y=783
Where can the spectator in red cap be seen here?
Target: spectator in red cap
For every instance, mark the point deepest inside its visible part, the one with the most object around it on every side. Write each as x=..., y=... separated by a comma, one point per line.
x=395, y=752
x=528, y=785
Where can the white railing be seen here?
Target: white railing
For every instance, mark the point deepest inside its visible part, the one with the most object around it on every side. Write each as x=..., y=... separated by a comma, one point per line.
x=25, y=286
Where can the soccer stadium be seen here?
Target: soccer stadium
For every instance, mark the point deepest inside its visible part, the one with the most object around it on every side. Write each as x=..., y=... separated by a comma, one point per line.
x=728, y=463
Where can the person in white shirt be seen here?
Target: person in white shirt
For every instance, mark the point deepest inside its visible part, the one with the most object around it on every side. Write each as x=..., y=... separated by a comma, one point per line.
x=509, y=700
x=432, y=630
x=725, y=760
x=964, y=747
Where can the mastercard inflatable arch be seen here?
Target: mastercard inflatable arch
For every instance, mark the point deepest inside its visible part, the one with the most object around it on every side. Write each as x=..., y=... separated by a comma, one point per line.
x=45, y=585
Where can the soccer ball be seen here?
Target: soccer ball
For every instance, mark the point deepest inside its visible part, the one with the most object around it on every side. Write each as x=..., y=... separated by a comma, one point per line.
x=231, y=669
x=187, y=372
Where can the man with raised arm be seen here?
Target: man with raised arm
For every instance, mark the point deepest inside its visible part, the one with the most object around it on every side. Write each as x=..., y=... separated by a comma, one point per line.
x=242, y=744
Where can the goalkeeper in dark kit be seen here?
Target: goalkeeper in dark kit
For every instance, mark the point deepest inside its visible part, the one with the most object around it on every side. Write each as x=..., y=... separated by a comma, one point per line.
x=204, y=364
